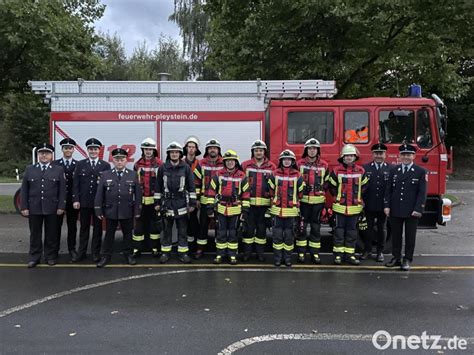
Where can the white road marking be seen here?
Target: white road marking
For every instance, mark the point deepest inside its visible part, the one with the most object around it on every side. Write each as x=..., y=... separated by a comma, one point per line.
x=61, y=294
x=241, y=344
x=84, y=288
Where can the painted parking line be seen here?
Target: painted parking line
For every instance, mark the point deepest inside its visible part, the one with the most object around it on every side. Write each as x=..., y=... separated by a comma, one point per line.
x=241, y=344
x=242, y=266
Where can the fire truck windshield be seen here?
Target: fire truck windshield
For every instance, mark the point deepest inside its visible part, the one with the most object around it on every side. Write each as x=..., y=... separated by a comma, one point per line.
x=396, y=126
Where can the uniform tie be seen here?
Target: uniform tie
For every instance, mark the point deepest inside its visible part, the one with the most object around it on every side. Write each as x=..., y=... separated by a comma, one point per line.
x=93, y=164
x=44, y=168
x=377, y=166
x=405, y=169
x=67, y=164
x=119, y=173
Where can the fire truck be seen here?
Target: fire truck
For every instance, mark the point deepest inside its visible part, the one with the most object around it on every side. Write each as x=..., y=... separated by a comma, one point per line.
x=283, y=113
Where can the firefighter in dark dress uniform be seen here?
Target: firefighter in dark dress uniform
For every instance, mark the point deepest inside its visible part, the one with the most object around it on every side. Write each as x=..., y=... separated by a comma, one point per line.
x=85, y=180
x=118, y=199
x=404, y=202
x=378, y=173
x=43, y=198
x=68, y=163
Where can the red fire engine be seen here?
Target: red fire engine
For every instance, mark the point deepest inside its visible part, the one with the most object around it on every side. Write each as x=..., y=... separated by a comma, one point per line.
x=283, y=113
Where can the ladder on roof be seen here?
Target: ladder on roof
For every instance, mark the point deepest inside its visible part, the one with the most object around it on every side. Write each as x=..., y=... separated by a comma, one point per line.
x=279, y=89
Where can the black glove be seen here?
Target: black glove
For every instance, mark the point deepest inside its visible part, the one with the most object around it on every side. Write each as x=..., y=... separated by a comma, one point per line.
x=362, y=222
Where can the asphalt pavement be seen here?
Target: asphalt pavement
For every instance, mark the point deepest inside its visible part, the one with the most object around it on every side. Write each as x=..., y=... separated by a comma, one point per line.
x=207, y=311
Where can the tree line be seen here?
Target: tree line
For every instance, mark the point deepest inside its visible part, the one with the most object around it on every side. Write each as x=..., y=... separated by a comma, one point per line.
x=372, y=48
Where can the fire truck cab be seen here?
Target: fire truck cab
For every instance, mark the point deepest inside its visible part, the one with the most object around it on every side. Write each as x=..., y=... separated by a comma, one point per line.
x=283, y=113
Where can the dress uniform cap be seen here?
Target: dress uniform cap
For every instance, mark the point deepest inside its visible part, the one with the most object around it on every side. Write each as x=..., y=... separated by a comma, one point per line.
x=44, y=147
x=119, y=153
x=67, y=141
x=407, y=148
x=93, y=142
x=379, y=147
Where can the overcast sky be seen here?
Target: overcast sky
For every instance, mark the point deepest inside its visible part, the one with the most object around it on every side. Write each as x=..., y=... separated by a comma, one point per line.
x=138, y=20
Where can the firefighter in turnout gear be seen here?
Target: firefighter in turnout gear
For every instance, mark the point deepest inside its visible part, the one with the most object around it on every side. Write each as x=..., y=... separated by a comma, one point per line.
x=43, y=199
x=229, y=190
x=175, y=199
x=118, y=199
x=314, y=171
x=148, y=224
x=208, y=167
x=286, y=186
x=258, y=170
x=68, y=163
x=378, y=172
x=191, y=152
x=347, y=182
x=404, y=203
x=86, y=176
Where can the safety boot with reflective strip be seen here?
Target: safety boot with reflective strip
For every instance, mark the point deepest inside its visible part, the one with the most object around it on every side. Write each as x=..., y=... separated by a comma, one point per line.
x=218, y=259
x=316, y=259
x=301, y=258
x=351, y=259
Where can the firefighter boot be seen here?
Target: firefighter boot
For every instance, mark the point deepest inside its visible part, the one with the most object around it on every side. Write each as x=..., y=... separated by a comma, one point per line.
x=165, y=257
x=155, y=253
x=246, y=256
x=288, y=258
x=233, y=260
x=130, y=259
x=301, y=258
x=136, y=253
x=199, y=253
x=337, y=259
x=184, y=258
x=351, y=259
x=316, y=259
x=260, y=248
x=218, y=259
x=103, y=261
x=277, y=257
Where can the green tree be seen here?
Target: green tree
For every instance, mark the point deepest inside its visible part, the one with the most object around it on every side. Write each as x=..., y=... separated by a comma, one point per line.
x=193, y=21
x=47, y=40
x=40, y=40
x=111, y=51
x=146, y=64
x=369, y=47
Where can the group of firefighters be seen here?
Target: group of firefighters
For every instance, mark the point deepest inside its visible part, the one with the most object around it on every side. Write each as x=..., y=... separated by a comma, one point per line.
x=248, y=197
